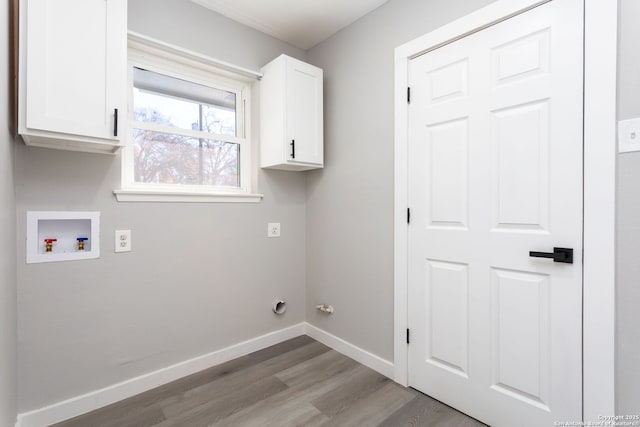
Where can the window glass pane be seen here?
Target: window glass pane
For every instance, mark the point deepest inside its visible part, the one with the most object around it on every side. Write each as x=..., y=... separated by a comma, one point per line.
x=174, y=102
x=165, y=158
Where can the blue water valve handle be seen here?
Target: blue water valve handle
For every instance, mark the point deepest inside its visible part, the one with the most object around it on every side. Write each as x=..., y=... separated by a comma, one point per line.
x=81, y=241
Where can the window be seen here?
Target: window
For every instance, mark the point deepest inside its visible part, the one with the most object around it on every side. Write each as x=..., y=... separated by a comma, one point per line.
x=187, y=134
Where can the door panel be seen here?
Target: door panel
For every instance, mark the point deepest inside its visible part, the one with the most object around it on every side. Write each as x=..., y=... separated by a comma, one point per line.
x=520, y=330
x=449, y=82
x=447, y=301
x=521, y=176
x=495, y=171
x=448, y=166
x=521, y=58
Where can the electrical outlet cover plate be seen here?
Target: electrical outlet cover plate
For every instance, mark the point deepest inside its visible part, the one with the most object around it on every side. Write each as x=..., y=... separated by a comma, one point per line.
x=273, y=229
x=123, y=241
x=629, y=135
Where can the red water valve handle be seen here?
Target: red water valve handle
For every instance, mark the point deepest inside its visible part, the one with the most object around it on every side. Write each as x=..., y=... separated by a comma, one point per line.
x=50, y=240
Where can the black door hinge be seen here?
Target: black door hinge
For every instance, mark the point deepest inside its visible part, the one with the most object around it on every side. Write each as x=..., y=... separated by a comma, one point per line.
x=408, y=216
x=408, y=95
x=407, y=335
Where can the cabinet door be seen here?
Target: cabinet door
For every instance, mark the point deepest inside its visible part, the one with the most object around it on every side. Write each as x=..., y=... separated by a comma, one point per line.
x=304, y=113
x=76, y=65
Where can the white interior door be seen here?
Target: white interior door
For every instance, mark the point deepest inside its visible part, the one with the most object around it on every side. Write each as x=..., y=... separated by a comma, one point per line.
x=495, y=171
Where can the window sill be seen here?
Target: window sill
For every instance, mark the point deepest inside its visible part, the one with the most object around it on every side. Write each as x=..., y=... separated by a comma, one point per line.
x=133, y=195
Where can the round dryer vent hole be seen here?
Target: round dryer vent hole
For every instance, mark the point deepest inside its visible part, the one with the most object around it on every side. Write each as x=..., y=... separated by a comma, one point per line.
x=279, y=307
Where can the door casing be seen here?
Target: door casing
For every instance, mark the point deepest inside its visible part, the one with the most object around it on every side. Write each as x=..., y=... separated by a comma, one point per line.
x=600, y=53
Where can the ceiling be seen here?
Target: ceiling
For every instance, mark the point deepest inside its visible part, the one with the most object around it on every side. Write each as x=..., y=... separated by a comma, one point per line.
x=302, y=23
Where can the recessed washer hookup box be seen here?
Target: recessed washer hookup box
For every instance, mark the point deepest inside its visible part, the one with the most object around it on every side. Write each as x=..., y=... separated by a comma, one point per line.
x=62, y=236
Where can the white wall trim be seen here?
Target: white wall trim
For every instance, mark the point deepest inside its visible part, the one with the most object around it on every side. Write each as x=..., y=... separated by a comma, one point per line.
x=163, y=196
x=96, y=399
x=600, y=80
x=401, y=229
x=364, y=357
x=599, y=189
x=138, y=39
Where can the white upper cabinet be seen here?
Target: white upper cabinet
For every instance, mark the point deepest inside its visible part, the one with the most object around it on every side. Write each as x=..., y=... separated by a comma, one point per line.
x=73, y=73
x=291, y=126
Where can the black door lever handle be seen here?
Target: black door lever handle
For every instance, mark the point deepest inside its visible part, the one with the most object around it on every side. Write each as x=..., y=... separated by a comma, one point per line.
x=558, y=255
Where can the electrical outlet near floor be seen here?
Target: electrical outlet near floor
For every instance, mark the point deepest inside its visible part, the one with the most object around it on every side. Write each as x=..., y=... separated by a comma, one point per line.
x=273, y=229
x=123, y=241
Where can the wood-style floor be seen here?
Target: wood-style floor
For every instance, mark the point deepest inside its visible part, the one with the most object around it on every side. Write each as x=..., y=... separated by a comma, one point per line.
x=299, y=382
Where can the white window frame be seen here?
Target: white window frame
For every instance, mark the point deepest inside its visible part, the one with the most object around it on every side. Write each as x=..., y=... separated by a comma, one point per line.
x=183, y=67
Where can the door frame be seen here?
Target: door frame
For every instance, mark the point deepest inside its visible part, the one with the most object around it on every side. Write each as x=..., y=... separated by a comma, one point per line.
x=600, y=50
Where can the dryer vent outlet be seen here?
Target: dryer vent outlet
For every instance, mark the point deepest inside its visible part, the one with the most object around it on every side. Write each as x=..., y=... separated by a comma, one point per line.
x=279, y=307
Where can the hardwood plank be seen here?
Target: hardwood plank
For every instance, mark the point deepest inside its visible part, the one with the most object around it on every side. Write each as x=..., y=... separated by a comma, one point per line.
x=290, y=413
x=222, y=403
x=347, y=394
x=147, y=417
x=373, y=409
x=425, y=411
x=281, y=348
x=297, y=396
x=316, y=369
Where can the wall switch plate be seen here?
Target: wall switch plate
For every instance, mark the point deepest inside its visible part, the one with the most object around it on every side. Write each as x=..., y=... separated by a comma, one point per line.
x=273, y=229
x=629, y=135
x=123, y=241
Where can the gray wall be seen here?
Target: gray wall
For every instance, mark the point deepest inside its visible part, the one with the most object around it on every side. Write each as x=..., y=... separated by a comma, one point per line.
x=350, y=201
x=628, y=218
x=89, y=324
x=201, y=276
x=8, y=341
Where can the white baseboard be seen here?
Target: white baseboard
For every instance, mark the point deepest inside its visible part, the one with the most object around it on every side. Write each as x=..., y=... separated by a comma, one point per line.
x=96, y=399
x=82, y=404
x=356, y=353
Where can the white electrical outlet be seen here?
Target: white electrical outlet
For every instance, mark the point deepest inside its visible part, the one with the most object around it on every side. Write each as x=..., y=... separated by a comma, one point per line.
x=273, y=229
x=123, y=241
